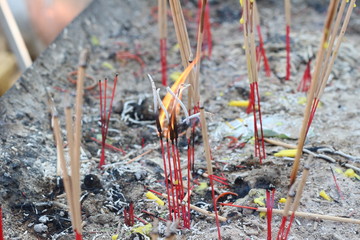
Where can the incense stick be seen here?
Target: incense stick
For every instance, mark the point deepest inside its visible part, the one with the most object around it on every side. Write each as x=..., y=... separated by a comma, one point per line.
x=199, y=51
x=66, y=177
x=299, y=192
x=75, y=172
x=1, y=224
x=162, y=12
x=206, y=141
x=288, y=25
x=200, y=210
x=254, y=98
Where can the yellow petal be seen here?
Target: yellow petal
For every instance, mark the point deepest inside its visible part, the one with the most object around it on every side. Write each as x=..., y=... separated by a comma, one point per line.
x=238, y=103
x=325, y=196
x=152, y=196
x=286, y=153
x=143, y=229
x=260, y=201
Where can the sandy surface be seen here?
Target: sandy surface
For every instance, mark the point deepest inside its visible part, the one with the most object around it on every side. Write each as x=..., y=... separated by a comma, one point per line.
x=28, y=187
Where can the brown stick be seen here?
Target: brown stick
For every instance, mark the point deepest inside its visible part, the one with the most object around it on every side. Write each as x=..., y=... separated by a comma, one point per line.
x=278, y=143
x=199, y=52
x=162, y=13
x=77, y=137
x=200, y=210
x=61, y=160
x=313, y=216
x=288, y=12
x=139, y=156
x=300, y=188
x=206, y=141
x=69, y=133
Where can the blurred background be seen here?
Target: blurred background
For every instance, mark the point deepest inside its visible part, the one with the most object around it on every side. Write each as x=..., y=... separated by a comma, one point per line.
x=39, y=22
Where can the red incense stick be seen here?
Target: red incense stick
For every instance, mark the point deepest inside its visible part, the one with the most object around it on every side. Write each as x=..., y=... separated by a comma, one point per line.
x=1, y=225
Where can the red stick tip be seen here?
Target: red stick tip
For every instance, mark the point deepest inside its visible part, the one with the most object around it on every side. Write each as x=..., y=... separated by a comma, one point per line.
x=78, y=236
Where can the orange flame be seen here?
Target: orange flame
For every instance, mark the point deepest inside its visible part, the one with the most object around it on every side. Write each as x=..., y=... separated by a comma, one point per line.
x=168, y=100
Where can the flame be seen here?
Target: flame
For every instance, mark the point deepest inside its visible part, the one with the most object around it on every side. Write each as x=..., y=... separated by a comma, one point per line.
x=168, y=100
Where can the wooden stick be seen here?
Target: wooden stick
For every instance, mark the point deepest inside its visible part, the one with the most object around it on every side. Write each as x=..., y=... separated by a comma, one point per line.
x=310, y=97
x=14, y=37
x=313, y=216
x=139, y=156
x=288, y=12
x=62, y=161
x=199, y=51
x=184, y=43
x=77, y=137
x=200, y=210
x=206, y=141
x=300, y=188
x=288, y=27
x=70, y=133
x=278, y=143
x=162, y=13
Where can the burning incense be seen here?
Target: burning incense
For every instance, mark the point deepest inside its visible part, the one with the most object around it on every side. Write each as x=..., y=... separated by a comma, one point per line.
x=162, y=12
x=250, y=50
x=288, y=24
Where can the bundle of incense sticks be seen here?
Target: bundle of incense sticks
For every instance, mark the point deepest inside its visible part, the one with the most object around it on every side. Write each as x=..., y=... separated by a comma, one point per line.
x=184, y=45
x=105, y=115
x=167, y=129
x=249, y=24
x=288, y=24
x=72, y=183
x=262, y=52
x=172, y=171
x=162, y=12
x=324, y=61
